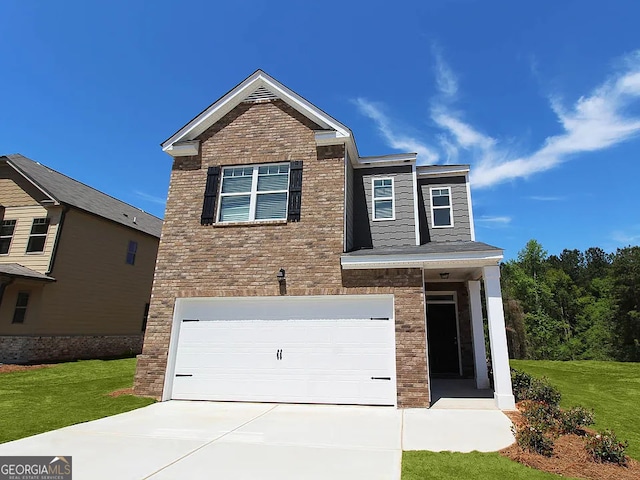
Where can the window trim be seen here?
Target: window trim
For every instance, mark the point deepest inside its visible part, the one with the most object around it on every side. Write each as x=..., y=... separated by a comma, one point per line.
x=253, y=194
x=10, y=237
x=22, y=308
x=31, y=235
x=392, y=198
x=133, y=252
x=450, y=207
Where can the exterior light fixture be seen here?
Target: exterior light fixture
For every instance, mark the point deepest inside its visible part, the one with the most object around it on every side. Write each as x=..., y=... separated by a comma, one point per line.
x=280, y=275
x=444, y=275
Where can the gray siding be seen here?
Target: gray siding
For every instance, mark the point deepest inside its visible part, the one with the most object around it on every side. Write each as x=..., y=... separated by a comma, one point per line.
x=349, y=204
x=461, y=230
x=385, y=233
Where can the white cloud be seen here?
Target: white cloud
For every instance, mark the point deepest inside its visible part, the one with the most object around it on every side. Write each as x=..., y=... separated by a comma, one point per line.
x=150, y=198
x=541, y=198
x=488, y=220
x=593, y=122
x=446, y=80
x=626, y=237
x=396, y=140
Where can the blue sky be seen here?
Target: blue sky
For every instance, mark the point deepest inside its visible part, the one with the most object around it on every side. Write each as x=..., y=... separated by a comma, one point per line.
x=541, y=98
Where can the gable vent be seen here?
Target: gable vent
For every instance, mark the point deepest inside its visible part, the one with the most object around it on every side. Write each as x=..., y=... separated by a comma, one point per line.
x=261, y=94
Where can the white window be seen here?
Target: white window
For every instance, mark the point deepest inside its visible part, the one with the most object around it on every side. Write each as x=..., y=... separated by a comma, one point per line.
x=441, y=208
x=6, y=234
x=258, y=192
x=383, y=199
x=38, y=235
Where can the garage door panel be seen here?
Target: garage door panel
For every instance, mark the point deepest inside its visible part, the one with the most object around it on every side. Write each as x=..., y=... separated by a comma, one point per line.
x=251, y=355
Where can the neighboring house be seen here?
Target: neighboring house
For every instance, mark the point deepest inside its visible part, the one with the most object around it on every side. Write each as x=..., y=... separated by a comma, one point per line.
x=76, y=267
x=291, y=269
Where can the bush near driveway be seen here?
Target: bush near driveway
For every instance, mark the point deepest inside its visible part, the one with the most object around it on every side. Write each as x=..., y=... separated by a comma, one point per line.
x=39, y=400
x=610, y=389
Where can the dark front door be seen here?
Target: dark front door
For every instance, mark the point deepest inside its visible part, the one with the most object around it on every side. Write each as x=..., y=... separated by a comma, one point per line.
x=443, y=339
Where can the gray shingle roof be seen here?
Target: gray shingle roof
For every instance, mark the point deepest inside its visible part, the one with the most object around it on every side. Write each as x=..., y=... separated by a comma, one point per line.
x=17, y=270
x=71, y=192
x=427, y=248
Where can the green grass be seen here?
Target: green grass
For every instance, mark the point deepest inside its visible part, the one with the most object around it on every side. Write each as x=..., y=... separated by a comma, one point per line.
x=470, y=466
x=611, y=389
x=36, y=401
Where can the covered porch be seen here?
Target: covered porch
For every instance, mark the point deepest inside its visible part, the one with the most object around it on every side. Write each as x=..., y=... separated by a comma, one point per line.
x=454, y=276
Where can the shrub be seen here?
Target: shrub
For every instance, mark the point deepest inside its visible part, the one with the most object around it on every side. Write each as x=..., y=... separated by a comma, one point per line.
x=521, y=381
x=540, y=414
x=605, y=447
x=574, y=419
x=526, y=387
x=533, y=439
x=542, y=391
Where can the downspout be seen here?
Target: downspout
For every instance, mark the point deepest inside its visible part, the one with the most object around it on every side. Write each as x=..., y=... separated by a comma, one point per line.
x=65, y=209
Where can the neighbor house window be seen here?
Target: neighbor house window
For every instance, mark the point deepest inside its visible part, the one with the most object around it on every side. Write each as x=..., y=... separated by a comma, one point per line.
x=383, y=203
x=38, y=235
x=441, y=209
x=131, y=252
x=21, y=308
x=6, y=234
x=145, y=317
x=259, y=192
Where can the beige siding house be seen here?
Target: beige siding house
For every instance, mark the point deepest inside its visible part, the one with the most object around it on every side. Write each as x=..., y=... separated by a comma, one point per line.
x=76, y=267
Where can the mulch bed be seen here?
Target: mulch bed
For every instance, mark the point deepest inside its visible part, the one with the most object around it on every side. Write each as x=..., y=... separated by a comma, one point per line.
x=570, y=459
x=9, y=368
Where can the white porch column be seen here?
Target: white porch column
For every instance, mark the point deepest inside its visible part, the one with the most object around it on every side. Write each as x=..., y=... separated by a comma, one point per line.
x=503, y=393
x=479, y=351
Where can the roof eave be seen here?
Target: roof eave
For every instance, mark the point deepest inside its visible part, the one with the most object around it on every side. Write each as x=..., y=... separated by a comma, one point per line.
x=428, y=260
x=236, y=95
x=53, y=201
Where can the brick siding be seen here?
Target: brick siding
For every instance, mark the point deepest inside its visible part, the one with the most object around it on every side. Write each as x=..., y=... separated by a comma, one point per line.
x=243, y=260
x=41, y=349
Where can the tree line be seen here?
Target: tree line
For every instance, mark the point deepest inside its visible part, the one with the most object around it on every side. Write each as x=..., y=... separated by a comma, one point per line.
x=573, y=306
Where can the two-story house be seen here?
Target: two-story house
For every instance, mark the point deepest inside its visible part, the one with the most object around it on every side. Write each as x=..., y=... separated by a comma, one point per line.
x=292, y=269
x=76, y=267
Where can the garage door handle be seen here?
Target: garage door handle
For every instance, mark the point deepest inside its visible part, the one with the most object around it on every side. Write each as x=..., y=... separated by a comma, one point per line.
x=279, y=354
x=184, y=375
x=380, y=378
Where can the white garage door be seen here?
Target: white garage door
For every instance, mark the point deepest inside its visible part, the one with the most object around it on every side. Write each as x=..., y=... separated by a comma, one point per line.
x=328, y=349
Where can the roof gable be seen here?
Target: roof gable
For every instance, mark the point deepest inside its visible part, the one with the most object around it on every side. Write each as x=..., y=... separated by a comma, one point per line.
x=257, y=87
x=62, y=189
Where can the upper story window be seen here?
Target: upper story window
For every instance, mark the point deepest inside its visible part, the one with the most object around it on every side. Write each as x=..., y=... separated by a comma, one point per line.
x=258, y=192
x=441, y=208
x=383, y=199
x=38, y=235
x=6, y=234
x=131, y=252
x=21, y=308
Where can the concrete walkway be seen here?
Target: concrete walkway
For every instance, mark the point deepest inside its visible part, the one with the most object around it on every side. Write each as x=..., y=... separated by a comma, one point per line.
x=180, y=439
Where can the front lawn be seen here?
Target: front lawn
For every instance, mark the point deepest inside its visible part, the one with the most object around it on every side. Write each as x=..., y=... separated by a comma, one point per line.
x=611, y=389
x=470, y=466
x=40, y=400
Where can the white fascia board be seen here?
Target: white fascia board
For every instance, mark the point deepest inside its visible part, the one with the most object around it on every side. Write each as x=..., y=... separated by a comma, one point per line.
x=386, y=160
x=55, y=201
x=229, y=101
x=183, y=149
x=416, y=216
x=474, y=259
x=470, y=207
x=442, y=170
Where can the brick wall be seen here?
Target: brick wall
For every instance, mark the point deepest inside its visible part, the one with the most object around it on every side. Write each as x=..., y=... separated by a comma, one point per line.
x=243, y=260
x=35, y=349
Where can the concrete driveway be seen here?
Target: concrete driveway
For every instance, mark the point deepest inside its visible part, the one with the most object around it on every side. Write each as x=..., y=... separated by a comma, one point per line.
x=182, y=439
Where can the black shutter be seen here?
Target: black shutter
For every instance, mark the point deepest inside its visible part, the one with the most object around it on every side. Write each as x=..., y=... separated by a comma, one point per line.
x=210, y=195
x=295, y=190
